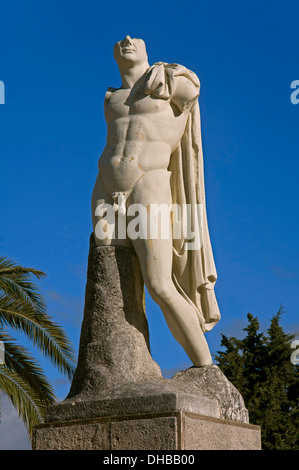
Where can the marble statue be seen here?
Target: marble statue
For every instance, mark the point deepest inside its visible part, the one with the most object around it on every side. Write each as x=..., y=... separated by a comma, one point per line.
x=153, y=156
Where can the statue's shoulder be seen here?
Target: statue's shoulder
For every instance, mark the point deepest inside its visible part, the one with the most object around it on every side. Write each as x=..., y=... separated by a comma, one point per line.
x=108, y=93
x=111, y=89
x=174, y=82
x=178, y=70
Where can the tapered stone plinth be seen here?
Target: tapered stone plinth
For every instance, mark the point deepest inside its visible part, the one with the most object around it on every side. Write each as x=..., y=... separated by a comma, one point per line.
x=118, y=398
x=114, y=343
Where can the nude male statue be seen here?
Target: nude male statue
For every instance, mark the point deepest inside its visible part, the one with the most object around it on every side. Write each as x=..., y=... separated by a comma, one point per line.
x=144, y=161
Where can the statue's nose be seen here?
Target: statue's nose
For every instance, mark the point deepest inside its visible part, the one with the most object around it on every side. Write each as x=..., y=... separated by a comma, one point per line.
x=127, y=40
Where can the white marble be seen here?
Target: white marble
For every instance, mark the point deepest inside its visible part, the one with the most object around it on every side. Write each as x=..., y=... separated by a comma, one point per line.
x=153, y=156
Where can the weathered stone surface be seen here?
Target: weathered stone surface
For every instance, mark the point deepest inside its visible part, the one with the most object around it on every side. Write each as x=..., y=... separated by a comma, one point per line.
x=143, y=401
x=212, y=382
x=74, y=436
x=168, y=431
x=114, y=343
x=205, y=391
x=152, y=433
x=203, y=433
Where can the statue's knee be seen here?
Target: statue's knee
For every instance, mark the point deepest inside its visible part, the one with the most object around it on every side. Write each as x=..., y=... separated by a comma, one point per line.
x=161, y=290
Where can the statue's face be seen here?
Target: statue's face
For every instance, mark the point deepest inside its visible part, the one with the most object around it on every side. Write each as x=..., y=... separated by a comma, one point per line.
x=130, y=51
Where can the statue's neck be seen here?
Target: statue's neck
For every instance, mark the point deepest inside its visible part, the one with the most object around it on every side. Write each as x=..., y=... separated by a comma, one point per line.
x=130, y=76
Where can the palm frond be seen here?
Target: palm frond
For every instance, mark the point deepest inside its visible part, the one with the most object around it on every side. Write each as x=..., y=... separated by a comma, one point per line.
x=28, y=405
x=20, y=361
x=15, y=280
x=22, y=308
x=41, y=330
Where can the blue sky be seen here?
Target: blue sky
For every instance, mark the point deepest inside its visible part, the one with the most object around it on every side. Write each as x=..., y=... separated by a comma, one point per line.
x=56, y=64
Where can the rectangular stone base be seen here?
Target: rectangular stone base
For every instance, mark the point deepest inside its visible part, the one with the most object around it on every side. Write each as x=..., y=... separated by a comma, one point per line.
x=178, y=430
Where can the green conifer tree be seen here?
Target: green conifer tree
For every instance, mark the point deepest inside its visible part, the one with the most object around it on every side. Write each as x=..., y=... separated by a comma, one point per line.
x=260, y=367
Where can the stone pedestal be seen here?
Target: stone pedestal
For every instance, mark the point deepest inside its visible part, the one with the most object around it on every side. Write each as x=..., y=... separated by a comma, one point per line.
x=118, y=398
x=176, y=430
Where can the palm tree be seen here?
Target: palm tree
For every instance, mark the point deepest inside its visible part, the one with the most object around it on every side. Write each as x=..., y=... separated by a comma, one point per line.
x=23, y=309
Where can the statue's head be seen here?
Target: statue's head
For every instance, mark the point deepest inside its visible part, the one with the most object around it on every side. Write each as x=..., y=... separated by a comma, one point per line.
x=129, y=52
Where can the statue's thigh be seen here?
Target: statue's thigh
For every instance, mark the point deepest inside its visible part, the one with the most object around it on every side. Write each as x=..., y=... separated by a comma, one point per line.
x=152, y=188
x=155, y=257
x=154, y=251
x=99, y=194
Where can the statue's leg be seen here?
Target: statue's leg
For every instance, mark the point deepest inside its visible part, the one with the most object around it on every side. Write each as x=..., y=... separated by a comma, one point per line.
x=155, y=256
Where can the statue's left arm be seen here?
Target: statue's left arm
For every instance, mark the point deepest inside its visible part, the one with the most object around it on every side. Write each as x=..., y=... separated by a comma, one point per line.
x=184, y=94
x=174, y=82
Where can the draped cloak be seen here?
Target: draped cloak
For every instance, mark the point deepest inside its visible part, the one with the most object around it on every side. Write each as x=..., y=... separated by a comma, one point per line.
x=194, y=272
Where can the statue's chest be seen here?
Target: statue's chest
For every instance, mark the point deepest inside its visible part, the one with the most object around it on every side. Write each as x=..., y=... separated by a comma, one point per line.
x=122, y=103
